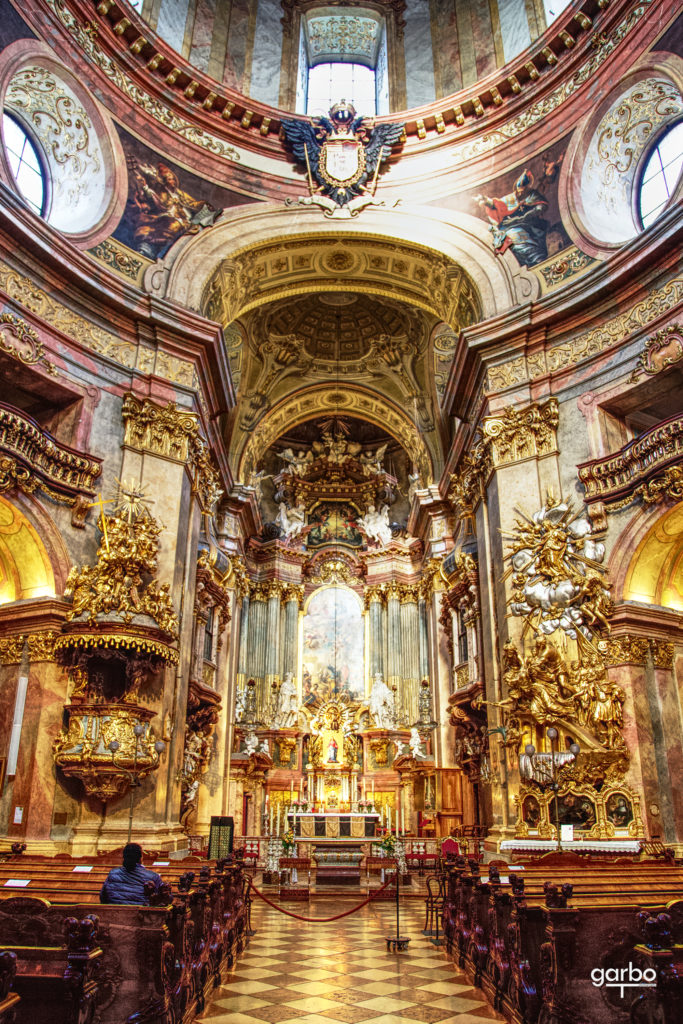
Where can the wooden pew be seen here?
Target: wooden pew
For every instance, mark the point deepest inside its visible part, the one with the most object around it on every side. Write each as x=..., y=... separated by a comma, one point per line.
x=501, y=932
x=8, y=999
x=57, y=984
x=159, y=961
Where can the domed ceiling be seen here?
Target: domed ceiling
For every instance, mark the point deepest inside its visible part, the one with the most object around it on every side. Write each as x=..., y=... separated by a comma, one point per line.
x=337, y=325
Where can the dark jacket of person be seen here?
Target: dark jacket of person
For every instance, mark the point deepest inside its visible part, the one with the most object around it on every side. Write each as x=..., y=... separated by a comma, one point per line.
x=128, y=886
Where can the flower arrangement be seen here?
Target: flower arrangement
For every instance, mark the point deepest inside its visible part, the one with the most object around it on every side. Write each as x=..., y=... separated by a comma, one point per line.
x=388, y=844
x=288, y=843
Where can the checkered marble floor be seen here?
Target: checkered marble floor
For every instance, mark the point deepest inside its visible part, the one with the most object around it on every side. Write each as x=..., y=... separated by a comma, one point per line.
x=319, y=973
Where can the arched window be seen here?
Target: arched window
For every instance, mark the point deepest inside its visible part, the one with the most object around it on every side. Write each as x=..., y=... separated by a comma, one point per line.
x=343, y=55
x=661, y=174
x=26, y=164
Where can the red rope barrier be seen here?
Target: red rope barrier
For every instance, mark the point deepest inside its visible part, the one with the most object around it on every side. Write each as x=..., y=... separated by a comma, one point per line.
x=321, y=920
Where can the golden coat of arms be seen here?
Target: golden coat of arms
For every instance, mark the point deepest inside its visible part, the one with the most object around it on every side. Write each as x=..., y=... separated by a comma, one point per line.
x=342, y=154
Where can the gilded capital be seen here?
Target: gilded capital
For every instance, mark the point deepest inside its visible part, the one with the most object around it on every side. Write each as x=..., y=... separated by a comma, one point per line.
x=41, y=647
x=159, y=430
x=662, y=653
x=626, y=650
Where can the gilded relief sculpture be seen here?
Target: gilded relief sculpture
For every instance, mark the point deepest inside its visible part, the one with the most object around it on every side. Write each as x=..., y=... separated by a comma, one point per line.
x=342, y=155
x=563, y=716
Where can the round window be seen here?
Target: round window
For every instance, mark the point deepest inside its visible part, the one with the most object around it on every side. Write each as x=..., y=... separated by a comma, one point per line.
x=661, y=174
x=25, y=163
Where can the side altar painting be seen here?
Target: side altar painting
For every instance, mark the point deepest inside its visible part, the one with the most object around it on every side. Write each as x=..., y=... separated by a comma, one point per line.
x=333, y=646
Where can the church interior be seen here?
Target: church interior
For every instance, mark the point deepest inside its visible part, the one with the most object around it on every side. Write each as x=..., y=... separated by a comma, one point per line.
x=341, y=509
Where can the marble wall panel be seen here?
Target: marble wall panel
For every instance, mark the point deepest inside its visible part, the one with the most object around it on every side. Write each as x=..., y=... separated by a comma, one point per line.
x=238, y=36
x=267, y=55
x=514, y=27
x=419, y=55
x=446, y=48
x=202, y=34
x=482, y=32
x=171, y=23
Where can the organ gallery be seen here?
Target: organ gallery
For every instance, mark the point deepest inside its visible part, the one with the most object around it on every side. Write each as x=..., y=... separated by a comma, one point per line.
x=340, y=432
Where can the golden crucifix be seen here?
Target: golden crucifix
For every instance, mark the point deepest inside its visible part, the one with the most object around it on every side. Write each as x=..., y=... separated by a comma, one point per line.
x=100, y=503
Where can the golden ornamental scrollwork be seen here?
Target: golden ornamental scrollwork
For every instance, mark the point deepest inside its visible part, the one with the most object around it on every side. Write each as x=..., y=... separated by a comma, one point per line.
x=82, y=750
x=30, y=458
x=120, y=584
x=617, y=328
x=660, y=350
x=521, y=433
x=28, y=293
x=21, y=341
x=662, y=653
x=160, y=430
x=40, y=647
x=518, y=433
x=667, y=487
x=334, y=569
x=626, y=650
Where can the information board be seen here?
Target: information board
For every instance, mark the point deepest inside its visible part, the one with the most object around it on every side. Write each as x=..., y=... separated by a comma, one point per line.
x=221, y=837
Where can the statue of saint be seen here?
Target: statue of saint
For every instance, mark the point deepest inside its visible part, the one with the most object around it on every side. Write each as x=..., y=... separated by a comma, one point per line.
x=376, y=524
x=291, y=520
x=286, y=712
x=416, y=746
x=382, y=704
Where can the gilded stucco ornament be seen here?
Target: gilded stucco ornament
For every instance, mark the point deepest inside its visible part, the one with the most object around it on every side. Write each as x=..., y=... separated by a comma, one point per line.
x=119, y=586
x=663, y=349
x=515, y=434
x=342, y=155
x=558, y=579
x=30, y=458
x=82, y=749
x=21, y=341
x=646, y=468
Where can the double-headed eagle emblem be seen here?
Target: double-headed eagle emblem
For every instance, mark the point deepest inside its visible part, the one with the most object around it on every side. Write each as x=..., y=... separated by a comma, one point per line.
x=342, y=155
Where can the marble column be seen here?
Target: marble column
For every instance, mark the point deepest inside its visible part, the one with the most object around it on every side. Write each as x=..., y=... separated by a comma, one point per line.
x=376, y=634
x=410, y=659
x=290, y=633
x=272, y=648
x=393, y=649
x=424, y=638
x=243, y=643
x=256, y=649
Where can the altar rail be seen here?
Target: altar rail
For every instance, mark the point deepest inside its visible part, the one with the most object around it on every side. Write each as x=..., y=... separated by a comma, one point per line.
x=159, y=962
x=532, y=936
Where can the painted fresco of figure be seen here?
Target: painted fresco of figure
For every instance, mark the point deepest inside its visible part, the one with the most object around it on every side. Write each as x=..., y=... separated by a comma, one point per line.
x=162, y=211
x=518, y=222
x=332, y=748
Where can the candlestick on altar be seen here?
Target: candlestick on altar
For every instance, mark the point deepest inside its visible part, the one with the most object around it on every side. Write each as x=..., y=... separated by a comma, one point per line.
x=270, y=830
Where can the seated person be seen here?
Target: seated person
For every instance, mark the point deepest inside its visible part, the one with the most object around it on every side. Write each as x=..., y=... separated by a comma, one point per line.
x=127, y=884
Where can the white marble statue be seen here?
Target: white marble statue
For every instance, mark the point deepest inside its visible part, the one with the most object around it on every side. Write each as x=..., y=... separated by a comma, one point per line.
x=250, y=743
x=296, y=464
x=286, y=711
x=291, y=520
x=376, y=524
x=413, y=485
x=240, y=705
x=264, y=748
x=382, y=704
x=416, y=745
x=372, y=461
